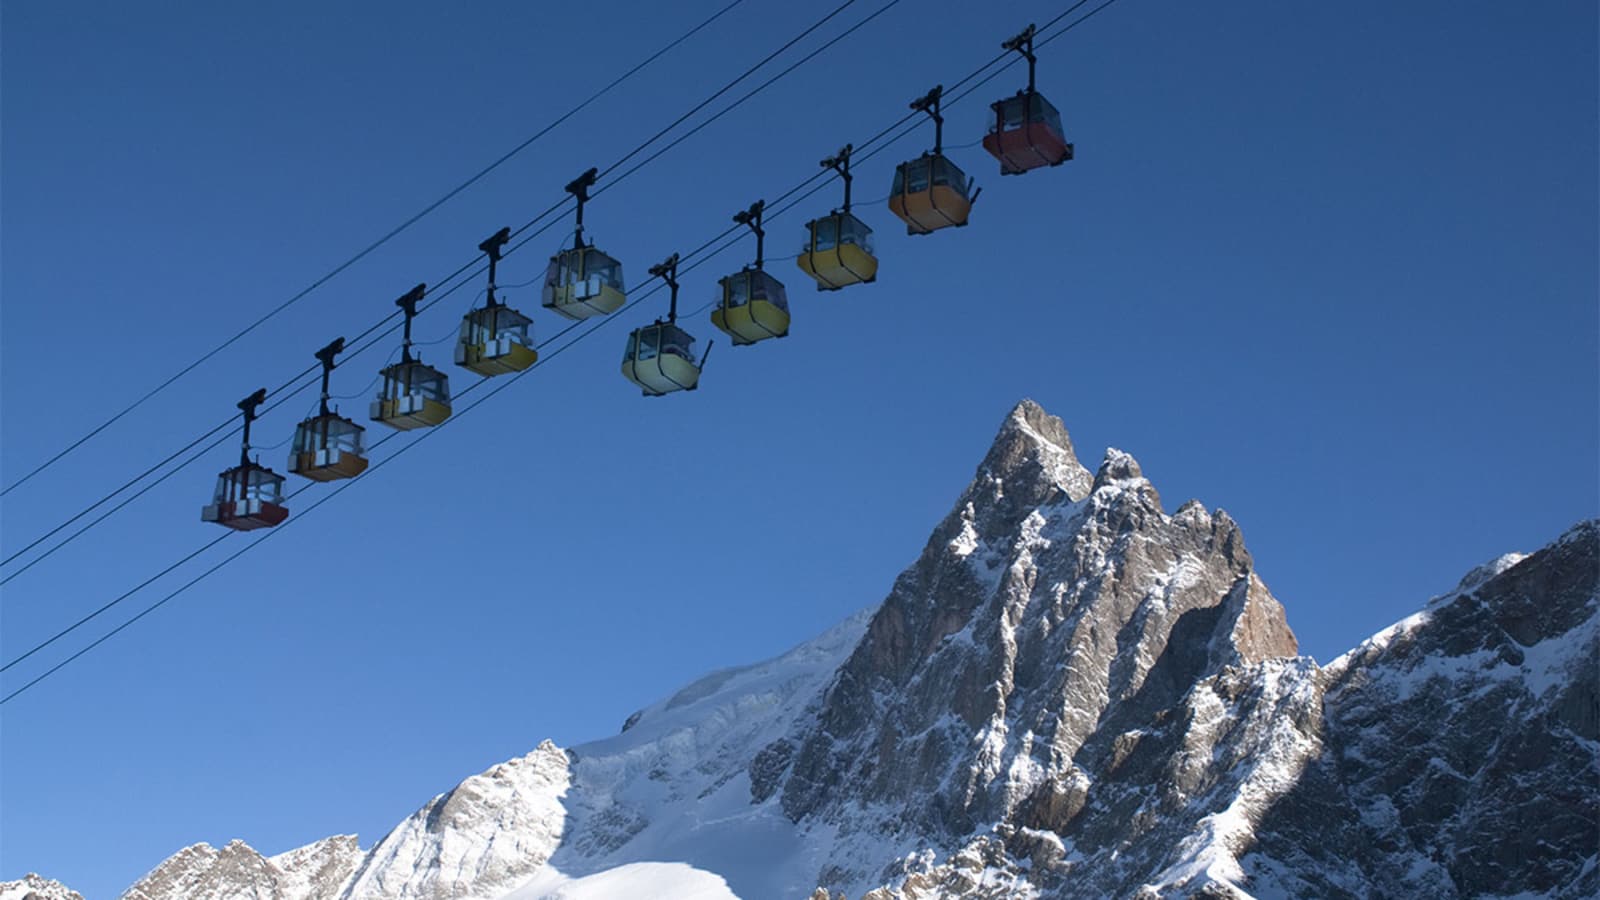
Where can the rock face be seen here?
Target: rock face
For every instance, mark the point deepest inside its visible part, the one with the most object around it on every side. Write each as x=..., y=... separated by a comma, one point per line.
x=1463, y=745
x=1072, y=693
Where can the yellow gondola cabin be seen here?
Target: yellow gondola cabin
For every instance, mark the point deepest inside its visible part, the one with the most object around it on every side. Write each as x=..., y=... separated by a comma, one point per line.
x=413, y=394
x=838, y=248
x=753, y=305
x=838, y=252
x=660, y=356
x=327, y=446
x=495, y=340
x=582, y=282
x=660, y=359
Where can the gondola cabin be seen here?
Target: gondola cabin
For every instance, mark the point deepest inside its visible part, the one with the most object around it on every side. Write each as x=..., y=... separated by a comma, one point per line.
x=413, y=395
x=754, y=307
x=328, y=447
x=496, y=340
x=660, y=359
x=930, y=193
x=248, y=496
x=582, y=282
x=838, y=252
x=1026, y=134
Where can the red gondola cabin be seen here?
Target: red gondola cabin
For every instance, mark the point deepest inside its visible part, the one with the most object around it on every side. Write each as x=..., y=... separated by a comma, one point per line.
x=1026, y=134
x=248, y=497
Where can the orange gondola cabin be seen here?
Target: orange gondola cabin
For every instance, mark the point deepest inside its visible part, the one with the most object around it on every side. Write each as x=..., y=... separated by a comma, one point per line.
x=931, y=192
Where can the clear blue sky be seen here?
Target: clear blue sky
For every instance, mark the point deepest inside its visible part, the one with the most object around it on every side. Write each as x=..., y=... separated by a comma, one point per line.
x=1329, y=266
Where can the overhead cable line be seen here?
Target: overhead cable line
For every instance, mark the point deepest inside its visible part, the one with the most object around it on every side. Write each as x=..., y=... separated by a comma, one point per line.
x=754, y=91
x=393, y=232
x=433, y=294
x=827, y=176
x=730, y=85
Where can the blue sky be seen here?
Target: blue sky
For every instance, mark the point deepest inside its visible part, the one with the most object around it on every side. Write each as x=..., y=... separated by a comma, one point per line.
x=1330, y=267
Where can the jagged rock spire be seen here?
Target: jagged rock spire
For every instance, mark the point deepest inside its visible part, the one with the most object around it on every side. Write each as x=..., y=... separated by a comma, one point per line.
x=1048, y=602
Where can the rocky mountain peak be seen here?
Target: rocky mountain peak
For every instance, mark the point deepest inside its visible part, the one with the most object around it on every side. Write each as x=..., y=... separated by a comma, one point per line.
x=1051, y=612
x=1032, y=454
x=1118, y=465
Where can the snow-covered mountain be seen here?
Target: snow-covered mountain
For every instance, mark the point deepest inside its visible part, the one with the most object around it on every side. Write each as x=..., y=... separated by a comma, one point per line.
x=1071, y=693
x=33, y=887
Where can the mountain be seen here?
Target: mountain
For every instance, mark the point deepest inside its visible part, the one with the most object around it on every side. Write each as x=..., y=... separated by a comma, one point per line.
x=237, y=872
x=1071, y=693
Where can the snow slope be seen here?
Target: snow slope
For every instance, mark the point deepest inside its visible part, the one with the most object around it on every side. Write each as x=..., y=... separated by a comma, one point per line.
x=661, y=881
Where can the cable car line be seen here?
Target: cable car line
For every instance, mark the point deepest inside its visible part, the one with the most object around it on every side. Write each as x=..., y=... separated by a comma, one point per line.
x=874, y=138
x=435, y=299
x=470, y=265
x=495, y=390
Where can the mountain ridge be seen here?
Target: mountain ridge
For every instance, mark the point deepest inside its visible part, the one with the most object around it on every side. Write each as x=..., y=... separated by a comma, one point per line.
x=1070, y=693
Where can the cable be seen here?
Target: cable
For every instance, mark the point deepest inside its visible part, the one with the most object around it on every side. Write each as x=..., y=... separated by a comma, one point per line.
x=729, y=86
x=758, y=89
x=179, y=452
x=371, y=247
x=503, y=385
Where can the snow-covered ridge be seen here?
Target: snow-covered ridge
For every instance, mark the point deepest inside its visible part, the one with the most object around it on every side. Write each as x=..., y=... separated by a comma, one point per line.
x=36, y=887
x=203, y=872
